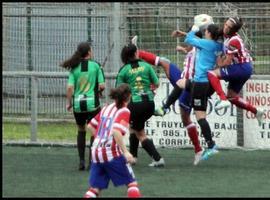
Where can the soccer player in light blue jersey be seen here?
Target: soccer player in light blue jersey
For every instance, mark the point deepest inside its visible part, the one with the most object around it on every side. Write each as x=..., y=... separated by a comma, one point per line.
x=208, y=49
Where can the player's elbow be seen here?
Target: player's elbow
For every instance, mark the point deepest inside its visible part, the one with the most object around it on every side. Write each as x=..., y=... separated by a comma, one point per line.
x=70, y=89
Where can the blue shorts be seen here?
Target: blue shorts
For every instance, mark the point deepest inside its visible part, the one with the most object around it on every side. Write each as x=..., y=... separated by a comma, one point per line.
x=185, y=98
x=237, y=75
x=117, y=170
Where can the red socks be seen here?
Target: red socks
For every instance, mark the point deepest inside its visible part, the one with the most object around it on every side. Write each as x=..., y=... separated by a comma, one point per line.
x=241, y=103
x=238, y=101
x=91, y=193
x=215, y=82
x=193, y=135
x=133, y=191
x=149, y=57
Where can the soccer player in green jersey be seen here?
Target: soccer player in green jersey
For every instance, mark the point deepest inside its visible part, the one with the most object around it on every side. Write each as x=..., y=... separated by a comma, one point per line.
x=140, y=76
x=85, y=83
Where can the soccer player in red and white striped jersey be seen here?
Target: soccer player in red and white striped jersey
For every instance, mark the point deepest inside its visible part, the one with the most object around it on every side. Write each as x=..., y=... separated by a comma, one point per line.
x=110, y=157
x=234, y=67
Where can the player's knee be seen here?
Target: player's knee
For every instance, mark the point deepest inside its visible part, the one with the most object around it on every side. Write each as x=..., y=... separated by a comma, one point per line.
x=211, y=73
x=186, y=120
x=133, y=190
x=164, y=60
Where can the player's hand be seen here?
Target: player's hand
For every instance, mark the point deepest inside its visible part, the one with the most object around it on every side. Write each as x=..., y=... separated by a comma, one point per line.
x=69, y=107
x=153, y=87
x=100, y=94
x=130, y=159
x=195, y=28
x=180, y=48
x=178, y=33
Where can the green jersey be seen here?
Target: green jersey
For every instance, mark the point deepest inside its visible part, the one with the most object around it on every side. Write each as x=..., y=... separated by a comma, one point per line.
x=139, y=75
x=85, y=78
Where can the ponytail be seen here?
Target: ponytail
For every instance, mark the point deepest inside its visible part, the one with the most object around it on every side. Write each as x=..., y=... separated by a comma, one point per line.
x=77, y=57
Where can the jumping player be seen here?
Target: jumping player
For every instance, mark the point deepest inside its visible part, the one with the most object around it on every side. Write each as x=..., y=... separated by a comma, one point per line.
x=208, y=50
x=234, y=67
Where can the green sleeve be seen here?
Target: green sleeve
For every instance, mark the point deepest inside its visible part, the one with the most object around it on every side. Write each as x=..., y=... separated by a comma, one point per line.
x=153, y=76
x=101, y=77
x=71, y=79
x=120, y=77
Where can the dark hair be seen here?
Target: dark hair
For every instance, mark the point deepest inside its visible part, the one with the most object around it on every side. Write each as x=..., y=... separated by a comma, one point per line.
x=215, y=31
x=198, y=33
x=128, y=53
x=237, y=24
x=120, y=94
x=78, y=56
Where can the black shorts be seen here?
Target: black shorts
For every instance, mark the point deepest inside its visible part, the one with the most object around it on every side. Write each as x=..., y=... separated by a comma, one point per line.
x=140, y=113
x=83, y=118
x=200, y=93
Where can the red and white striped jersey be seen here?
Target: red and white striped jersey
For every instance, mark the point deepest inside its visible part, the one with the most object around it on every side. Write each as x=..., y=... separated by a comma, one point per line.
x=189, y=63
x=110, y=118
x=235, y=45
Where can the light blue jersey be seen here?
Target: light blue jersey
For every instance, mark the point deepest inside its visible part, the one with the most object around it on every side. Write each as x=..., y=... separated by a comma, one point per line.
x=207, y=52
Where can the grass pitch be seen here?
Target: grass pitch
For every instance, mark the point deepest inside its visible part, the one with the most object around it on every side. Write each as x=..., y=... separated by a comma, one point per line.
x=52, y=172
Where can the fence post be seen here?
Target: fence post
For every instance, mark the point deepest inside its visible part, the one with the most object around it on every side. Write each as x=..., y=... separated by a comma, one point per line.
x=116, y=18
x=89, y=10
x=34, y=108
x=29, y=46
x=114, y=43
x=240, y=125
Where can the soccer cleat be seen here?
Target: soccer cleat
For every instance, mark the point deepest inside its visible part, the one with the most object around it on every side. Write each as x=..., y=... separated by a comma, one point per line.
x=209, y=152
x=81, y=165
x=223, y=104
x=198, y=157
x=159, y=163
x=134, y=40
x=259, y=115
x=90, y=194
x=160, y=111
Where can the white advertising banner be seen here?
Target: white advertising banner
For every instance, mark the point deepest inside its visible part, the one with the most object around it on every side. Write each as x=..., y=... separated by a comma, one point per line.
x=257, y=92
x=169, y=131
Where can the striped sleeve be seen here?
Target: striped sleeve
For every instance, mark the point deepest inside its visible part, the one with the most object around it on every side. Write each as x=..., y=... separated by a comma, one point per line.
x=121, y=122
x=95, y=121
x=234, y=46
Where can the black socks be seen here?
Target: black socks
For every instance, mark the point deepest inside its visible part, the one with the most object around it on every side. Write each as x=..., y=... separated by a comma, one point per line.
x=133, y=144
x=81, y=144
x=150, y=148
x=173, y=96
x=206, y=132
